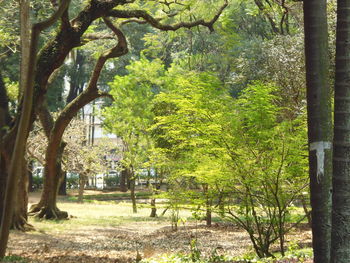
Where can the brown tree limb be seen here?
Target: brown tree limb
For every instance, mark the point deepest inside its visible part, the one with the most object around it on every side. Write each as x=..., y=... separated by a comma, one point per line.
x=142, y=14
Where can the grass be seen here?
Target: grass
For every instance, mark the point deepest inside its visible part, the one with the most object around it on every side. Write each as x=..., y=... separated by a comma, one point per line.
x=14, y=258
x=111, y=196
x=102, y=214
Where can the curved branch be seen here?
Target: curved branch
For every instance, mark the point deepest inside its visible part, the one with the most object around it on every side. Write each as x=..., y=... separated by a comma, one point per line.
x=142, y=14
x=91, y=92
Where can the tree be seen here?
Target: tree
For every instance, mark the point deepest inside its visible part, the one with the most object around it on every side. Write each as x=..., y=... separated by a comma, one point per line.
x=241, y=151
x=69, y=36
x=340, y=245
x=130, y=115
x=20, y=131
x=319, y=125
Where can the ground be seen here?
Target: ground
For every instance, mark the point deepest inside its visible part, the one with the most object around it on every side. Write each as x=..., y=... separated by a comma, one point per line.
x=99, y=231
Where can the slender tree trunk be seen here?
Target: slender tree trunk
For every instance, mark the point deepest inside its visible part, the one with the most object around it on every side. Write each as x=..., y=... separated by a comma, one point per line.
x=123, y=179
x=340, y=251
x=319, y=125
x=208, y=204
x=82, y=182
x=132, y=190
x=208, y=212
x=153, y=208
x=30, y=176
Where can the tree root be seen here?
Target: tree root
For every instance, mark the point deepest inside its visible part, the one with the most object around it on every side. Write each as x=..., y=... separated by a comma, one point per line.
x=44, y=212
x=21, y=224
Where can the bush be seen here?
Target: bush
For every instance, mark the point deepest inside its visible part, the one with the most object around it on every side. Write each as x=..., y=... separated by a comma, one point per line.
x=73, y=181
x=112, y=181
x=14, y=258
x=37, y=182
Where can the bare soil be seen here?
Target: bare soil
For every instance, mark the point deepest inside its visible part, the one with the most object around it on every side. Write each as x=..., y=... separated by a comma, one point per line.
x=91, y=243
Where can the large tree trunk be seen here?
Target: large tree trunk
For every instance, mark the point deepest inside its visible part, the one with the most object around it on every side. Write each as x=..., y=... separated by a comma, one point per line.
x=20, y=213
x=319, y=125
x=340, y=251
x=3, y=180
x=47, y=207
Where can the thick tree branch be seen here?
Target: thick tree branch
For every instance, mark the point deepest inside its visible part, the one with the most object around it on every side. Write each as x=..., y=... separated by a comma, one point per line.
x=91, y=92
x=46, y=118
x=142, y=14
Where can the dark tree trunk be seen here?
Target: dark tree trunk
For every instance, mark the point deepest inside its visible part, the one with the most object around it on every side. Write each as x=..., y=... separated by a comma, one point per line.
x=76, y=79
x=3, y=180
x=319, y=125
x=30, y=176
x=208, y=213
x=132, y=190
x=208, y=205
x=340, y=251
x=20, y=212
x=123, y=179
x=153, y=208
x=63, y=186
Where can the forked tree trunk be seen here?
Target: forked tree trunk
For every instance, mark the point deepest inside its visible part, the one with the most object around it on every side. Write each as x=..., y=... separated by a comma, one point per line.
x=319, y=125
x=340, y=251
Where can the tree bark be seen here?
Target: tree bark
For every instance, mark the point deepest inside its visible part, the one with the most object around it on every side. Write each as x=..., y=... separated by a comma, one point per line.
x=62, y=190
x=3, y=180
x=340, y=251
x=123, y=179
x=82, y=182
x=23, y=123
x=47, y=207
x=153, y=208
x=319, y=125
x=132, y=191
x=20, y=215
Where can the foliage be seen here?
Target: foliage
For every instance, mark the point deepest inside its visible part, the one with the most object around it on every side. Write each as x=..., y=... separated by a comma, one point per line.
x=112, y=181
x=37, y=182
x=130, y=116
x=14, y=258
x=240, y=148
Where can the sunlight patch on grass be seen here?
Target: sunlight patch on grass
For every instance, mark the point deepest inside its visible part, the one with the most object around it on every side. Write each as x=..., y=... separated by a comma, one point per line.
x=98, y=214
